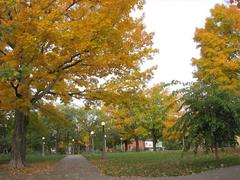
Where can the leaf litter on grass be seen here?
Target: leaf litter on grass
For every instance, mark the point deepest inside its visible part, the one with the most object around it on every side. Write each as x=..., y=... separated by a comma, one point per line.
x=29, y=170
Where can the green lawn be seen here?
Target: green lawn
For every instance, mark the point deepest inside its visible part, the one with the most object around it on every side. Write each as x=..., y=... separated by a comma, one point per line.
x=33, y=158
x=154, y=164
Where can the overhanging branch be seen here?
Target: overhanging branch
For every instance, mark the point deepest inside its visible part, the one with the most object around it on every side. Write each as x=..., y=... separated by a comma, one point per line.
x=3, y=52
x=40, y=94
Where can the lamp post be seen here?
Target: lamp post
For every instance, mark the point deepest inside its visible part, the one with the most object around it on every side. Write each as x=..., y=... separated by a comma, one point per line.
x=73, y=145
x=43, y=144
x=55, y=140
x=92, y=135
x=103, y=140
x=121, y=143
x=78, y=138
x=54, y=135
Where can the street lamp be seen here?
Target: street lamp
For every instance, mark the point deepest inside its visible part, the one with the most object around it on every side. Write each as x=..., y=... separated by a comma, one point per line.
x=92, y=135
x=54, y=135
x=43, y=148
x=73, y=145
x=121, y=143
x=78, y=138
x=103, y=140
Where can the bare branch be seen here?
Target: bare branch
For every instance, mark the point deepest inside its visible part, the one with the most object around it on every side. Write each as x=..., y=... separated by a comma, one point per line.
x=40, y=94
x=3, y=52
x=71, y=65
x=67, y=64
x=15, y=87
x=70, y=60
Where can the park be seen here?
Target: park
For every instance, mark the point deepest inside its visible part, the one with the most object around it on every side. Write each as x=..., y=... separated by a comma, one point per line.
x=116, y=89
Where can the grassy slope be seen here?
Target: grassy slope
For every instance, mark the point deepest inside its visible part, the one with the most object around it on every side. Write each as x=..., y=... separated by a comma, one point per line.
x=168, y=163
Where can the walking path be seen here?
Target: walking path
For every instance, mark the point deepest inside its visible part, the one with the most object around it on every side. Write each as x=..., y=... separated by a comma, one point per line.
x=76, y=167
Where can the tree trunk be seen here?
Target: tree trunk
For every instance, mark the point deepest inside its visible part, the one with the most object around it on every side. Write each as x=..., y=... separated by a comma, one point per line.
x=154, y=144
x=18, y=150
x=216, y=150
x=137, y=144
x=126, y=146
x=57, y=140
x=78, y=148
x=183, y=143
x=89, y=142
x=195, y=151
x=215, y=147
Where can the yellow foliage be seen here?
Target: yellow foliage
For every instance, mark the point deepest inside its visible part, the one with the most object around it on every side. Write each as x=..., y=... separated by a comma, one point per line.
x=219, y=63
x=65, y=48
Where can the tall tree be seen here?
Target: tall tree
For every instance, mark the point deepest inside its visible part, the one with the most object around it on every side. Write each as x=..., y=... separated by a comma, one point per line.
x=219, y=63
x=61, y=49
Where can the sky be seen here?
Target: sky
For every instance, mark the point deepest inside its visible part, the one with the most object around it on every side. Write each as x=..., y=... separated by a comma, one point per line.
x=174, y=23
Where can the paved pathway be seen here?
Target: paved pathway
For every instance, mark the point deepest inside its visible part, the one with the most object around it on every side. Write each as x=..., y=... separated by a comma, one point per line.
x=74, y=167
x=78, y=168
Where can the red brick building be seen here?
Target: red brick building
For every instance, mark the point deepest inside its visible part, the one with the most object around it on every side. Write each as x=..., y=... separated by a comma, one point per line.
x=132, y=146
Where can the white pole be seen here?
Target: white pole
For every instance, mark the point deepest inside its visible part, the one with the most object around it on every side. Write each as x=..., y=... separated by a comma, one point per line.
x=121, y=145
x=105, y=142
x=43, y=148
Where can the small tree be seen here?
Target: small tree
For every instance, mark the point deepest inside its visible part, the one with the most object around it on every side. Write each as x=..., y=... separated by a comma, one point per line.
x=157, y=110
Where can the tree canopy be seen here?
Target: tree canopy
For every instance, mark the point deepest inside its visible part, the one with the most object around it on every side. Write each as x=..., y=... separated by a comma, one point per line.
x=59, y=49
x=219, y=63
x=211, y=117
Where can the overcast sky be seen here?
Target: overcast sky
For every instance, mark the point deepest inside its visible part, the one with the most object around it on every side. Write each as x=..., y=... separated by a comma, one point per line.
x=174, y=23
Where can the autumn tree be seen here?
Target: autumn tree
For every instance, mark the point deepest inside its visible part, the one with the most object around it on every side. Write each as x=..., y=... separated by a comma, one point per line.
x=236, y=2
x=210, y=106
x=149, y=114
x=219, y=63
x=62, y=49
x=158, y=111
x=121, y=121
x=126, y=117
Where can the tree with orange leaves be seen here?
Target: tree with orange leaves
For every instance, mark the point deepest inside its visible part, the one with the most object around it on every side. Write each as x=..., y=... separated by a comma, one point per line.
x=60, y=49
x=219, y=63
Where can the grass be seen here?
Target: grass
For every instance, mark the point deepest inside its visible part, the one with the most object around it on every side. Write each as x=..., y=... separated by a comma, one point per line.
x=35, y=164
x=156, y=164
x=4, y=158
x=33, y=158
